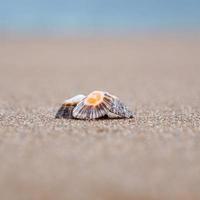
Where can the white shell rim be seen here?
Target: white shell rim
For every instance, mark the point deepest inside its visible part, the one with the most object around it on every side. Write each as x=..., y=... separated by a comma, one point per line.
x=74, y=100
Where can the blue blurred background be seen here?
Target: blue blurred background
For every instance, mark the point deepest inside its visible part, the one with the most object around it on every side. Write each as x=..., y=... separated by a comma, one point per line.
x=64, y=16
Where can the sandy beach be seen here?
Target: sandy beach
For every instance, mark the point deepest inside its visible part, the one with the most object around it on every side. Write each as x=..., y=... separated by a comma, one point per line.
x=155, y=155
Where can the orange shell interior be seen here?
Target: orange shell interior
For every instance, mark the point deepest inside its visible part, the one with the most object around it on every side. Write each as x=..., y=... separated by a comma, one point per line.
x=94, y=98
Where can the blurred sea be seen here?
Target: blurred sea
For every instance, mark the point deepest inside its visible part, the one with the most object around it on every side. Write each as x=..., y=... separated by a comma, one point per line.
x=61, y=16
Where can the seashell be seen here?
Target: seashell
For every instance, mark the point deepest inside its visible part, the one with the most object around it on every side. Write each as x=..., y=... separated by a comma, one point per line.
x=74, y=100
x=119, y=109
x=65, y=111
x=100, y=104
x=92, y=107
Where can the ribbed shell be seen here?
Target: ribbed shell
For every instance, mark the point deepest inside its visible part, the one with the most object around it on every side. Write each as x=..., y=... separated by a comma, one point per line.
x=66, y=109
x=84, y=111
x=120, y=109
x=110, y=106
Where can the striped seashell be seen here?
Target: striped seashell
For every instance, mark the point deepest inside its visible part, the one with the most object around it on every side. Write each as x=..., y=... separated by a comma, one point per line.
x=92, y=107
x=65, y=111
x=119, y=109
x=100, y=104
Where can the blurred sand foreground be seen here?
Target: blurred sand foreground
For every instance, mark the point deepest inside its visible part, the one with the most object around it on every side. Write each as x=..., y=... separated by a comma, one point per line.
x=154, y=156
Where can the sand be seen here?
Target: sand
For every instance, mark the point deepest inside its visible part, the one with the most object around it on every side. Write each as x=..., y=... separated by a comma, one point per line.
x=156, y=155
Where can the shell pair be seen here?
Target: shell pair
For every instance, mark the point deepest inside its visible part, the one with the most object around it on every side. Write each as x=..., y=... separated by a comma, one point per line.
x=96, y=105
